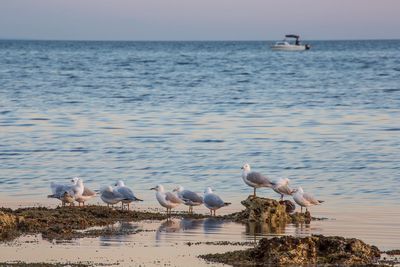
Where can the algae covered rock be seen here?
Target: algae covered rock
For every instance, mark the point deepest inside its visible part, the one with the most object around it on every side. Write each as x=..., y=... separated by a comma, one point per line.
x=8, y=226
x=7, y=221
x=316, y=249
x=270, y=211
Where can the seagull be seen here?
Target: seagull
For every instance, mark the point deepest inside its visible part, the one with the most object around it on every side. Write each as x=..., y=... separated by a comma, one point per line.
x=282, y=187
x=166, y=199
x=77, y=188
x=255, y=179
x=86, y=195
x=110, y=196
x=213, y=201
x=126, y=193
x=60, y=191
x=188, y=197
x=305, y=199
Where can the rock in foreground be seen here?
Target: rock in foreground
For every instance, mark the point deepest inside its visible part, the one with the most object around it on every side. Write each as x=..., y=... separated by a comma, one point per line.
x=290, y=250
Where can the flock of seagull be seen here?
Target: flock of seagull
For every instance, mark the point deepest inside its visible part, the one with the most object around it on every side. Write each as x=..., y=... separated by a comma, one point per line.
x=111, y=195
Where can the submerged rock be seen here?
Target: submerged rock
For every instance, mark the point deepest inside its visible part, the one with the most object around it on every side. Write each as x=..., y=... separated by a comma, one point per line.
x=316, y=249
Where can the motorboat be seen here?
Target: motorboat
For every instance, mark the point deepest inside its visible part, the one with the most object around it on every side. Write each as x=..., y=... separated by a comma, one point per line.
x=287, y=46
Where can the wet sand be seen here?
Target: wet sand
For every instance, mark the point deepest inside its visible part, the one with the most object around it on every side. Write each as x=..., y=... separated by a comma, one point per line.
x=156, y=244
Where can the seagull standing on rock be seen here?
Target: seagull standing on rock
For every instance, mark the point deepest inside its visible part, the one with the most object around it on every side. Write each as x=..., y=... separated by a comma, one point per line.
x=282, y=187
x=305, y=199
x=126, y=193
x=188, y=197
x=166, y=199
x=213, y=201
x=60, y=191
x=86, y=195
x=110, y=196
x=255, y=179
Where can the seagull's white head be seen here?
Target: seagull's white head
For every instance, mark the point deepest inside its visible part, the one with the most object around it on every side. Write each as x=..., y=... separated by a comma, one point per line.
x=74, y=180
x=208, y=190
x=120, y=183
x=158, y=188
x=246, y=167
x=179, y=188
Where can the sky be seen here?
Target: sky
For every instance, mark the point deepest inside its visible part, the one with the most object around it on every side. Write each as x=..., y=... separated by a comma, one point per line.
x=199, y=19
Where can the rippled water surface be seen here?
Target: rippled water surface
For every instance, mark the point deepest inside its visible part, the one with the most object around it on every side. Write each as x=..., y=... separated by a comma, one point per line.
x=192, y=113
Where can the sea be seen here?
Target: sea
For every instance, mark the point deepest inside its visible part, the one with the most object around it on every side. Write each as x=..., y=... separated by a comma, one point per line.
x=192, y=113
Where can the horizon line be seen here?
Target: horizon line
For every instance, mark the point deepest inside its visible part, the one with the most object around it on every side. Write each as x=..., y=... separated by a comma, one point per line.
x=186, y=40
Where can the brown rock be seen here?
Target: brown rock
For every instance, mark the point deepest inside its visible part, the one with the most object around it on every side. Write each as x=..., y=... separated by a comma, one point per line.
x=316, y=249
x=269, y=211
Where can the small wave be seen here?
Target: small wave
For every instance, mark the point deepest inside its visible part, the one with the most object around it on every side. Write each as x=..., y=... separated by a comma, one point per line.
x=392, y=129
x=209, y=141
x=391, y=90
x=39, y=119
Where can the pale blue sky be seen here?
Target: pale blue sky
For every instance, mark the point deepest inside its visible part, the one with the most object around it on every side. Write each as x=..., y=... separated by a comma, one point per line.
x=199, y=20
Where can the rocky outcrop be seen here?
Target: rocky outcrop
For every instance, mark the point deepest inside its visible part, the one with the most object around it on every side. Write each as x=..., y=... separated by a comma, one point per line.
x=270, y=211
x=290, y=250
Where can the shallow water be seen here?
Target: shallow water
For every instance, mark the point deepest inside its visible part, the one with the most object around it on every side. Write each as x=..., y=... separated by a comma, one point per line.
x=192, y=113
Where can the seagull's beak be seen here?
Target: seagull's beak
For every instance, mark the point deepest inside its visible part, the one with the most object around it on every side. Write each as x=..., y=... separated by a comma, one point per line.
x=153, y=188
x=241, y=168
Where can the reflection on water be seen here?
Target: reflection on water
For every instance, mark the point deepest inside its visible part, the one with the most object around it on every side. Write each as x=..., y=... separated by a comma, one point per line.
x=117, y=234
x=214, y=229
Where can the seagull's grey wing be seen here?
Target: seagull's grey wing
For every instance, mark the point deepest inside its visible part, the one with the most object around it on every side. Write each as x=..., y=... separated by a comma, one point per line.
x=56, y=189
x=213, y=200
x=88, y=192
x=60, y=189
x=117, y=194
x=191, y=196
x=310, y=199
x=110, y=195
x=285, y=189
x=258, y=178
x=126, y=193
x=172, y=198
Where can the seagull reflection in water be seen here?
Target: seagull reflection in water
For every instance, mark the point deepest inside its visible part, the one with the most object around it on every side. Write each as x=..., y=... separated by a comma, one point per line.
x=118, y=234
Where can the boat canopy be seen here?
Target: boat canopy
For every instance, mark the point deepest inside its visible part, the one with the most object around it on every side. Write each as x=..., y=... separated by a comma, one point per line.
x=292, y=36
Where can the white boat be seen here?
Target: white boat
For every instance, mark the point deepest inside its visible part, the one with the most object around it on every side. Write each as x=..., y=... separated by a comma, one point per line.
x=286, y=46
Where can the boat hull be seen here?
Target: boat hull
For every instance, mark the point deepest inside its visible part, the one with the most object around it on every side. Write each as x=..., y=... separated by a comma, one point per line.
x=289, y=47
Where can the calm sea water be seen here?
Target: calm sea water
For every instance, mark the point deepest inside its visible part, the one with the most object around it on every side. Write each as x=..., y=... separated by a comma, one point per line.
x=192, y=113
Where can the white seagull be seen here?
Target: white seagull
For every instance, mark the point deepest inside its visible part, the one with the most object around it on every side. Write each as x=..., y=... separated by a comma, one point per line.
x=86, y=195
x=188, y=197
x=305, y=199
x=213, y=201
x=126, y=193
x=166, y=199
x=255, y=179
x=60, y=191
x=110, y=196
x=67, y=192
x=282, y=187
